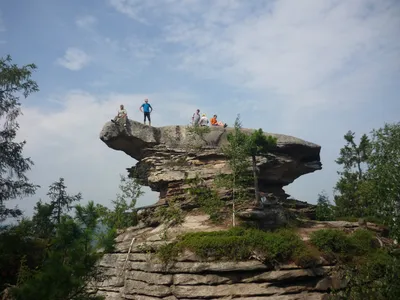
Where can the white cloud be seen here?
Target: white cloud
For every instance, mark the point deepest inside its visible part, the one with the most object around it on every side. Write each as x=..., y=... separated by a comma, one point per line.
x=86, y=22
x=74, y=59
x=298, y=50
x=65, y=142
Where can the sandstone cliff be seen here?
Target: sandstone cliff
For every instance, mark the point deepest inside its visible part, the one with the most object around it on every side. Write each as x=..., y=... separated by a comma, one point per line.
x=168, y=155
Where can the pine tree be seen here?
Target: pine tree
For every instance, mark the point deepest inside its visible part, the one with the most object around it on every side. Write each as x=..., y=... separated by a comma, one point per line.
x=60, y=200
x=353, y=157
x=13, y=166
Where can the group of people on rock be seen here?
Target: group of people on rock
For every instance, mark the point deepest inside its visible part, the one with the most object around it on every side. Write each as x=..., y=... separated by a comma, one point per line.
x=202, y=120
x=122, y=117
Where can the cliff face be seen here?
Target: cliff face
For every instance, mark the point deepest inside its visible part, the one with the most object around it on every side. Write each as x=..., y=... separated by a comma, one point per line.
x=167, y=154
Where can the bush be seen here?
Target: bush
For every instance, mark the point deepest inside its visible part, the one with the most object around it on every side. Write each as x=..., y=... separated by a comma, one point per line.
x=332, y=241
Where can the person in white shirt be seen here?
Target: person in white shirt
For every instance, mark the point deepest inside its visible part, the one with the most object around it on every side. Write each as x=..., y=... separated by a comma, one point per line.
x=121, y=117
x=203, y=120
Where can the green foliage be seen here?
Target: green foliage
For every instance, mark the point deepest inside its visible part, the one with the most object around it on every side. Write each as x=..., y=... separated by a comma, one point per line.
x=14, y=184
x=18, y=248
x=324, y=210
x=349, y=200
x=238, y=181
x=258, y=144
x=54, y=256
x=343, y=247
x=172, y=214
x=199, y=131
x=60, y=201
x=384, y=176
x=370, y=182
x=69, y=266
x=375, y=276
x=237, y=244
x=207, y=198
x=123, y=213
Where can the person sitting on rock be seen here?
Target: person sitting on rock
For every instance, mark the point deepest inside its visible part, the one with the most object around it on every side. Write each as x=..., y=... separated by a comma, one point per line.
x=196, y=118
x=121, y=117
x=203, y=120
x=215, y=122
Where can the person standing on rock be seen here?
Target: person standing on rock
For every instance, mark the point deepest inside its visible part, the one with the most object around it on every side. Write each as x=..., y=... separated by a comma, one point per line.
x=121, y=117
x=196, y=118
x=146, y=109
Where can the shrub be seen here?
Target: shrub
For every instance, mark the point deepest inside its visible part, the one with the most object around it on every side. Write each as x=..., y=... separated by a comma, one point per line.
x=332, y=241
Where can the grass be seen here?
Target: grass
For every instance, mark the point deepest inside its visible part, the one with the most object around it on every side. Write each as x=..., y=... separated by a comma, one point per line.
x=240, y=244
x=281, y=246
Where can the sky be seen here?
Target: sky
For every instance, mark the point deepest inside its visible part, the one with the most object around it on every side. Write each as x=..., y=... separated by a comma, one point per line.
x=311, y=69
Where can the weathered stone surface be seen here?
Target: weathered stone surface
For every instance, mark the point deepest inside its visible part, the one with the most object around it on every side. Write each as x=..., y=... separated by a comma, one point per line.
x=240, y=289
x=197, y=267
x=151, y=278
x=142, y=288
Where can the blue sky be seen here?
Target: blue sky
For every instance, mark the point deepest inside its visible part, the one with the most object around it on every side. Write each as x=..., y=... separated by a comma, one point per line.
x=312, y=69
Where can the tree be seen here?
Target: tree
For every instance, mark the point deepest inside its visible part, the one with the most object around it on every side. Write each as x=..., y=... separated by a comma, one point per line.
x=70, y=264
x=353, y=155
x=236, y=152
x=42, y=224
x=324, y=210
x=384, y=176
x=259, y=145
x=119, y=217
x=13, y=166
x=60, y=200
x=353, y=158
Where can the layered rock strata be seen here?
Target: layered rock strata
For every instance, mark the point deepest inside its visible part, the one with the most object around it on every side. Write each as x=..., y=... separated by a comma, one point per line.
x=140, y=275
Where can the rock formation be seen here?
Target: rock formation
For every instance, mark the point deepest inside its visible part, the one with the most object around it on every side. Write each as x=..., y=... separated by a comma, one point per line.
x=166, y=157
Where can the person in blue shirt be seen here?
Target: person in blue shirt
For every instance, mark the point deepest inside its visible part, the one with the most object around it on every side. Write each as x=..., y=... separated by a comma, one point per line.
x=146, y=109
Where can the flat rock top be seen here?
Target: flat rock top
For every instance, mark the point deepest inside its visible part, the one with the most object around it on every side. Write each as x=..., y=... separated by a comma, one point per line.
x=137, y=137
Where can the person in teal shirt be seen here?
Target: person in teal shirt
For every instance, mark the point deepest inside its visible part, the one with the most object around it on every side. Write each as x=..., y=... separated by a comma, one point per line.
x=146, y=109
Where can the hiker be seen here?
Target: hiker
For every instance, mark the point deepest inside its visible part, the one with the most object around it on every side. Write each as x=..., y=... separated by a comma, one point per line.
x=215, y=122
x=203, y=120
x=146, y=109
x=121, y=117
x=196, y=118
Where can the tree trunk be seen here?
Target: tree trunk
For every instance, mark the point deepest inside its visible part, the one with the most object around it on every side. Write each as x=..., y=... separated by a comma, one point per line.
x=256, y=189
